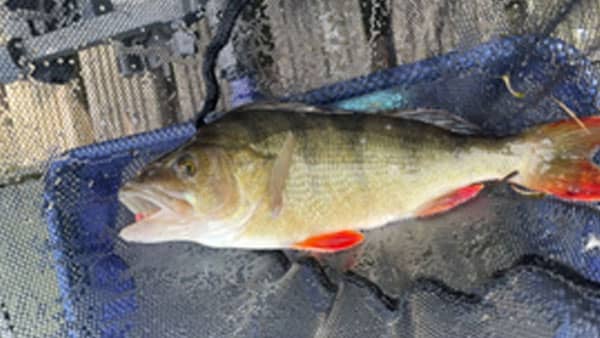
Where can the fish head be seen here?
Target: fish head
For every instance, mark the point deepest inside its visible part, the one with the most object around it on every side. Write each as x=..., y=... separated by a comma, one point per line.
x=191, y=194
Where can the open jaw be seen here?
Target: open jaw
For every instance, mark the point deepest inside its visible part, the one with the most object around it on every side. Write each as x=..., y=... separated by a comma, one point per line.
x=139, y=205
x=158, y=216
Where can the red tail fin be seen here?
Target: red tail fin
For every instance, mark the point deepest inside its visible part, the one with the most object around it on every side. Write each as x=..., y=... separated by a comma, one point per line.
x=561, y=162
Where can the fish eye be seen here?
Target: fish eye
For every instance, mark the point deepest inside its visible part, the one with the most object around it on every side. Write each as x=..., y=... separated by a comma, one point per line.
x=185, y=165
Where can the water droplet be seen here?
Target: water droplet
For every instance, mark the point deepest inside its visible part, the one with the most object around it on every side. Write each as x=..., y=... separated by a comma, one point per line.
x=592, y=243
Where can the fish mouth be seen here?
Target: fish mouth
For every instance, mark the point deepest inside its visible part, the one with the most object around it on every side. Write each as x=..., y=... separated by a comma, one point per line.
x=140, y=205
x=155, y=210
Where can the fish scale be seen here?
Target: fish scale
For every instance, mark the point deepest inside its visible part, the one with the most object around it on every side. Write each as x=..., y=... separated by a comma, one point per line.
x=334, y=184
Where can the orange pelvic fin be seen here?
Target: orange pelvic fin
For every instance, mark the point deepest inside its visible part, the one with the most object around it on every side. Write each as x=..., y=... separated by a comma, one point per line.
x=565, y=167
x=450, y=200
x=331, y=242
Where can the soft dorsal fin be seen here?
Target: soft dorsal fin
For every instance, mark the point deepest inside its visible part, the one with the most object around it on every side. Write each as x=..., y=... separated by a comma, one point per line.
x=439, y=118
x=292, y=107
x=280, y=172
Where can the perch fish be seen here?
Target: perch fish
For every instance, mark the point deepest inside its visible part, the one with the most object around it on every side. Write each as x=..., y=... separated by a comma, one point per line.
x=289, y=176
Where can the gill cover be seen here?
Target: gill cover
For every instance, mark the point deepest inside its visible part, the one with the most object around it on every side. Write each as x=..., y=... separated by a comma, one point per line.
x=199, y=180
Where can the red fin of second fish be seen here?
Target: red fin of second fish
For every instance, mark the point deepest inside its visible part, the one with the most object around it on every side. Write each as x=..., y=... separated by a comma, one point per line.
x=450, y=200
x=331, y=242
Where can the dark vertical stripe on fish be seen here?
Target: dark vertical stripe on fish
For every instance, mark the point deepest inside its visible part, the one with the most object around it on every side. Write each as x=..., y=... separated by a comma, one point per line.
x=359, y=158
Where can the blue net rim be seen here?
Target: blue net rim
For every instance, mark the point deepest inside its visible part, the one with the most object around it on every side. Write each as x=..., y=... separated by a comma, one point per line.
x=494, y=58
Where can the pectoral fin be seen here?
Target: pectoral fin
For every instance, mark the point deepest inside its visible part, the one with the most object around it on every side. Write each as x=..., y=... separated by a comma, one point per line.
x=279, y=174
x=331, y=242
x=450, y=200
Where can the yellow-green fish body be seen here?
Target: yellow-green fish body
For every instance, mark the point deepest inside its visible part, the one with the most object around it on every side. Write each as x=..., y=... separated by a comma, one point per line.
x=269, y=178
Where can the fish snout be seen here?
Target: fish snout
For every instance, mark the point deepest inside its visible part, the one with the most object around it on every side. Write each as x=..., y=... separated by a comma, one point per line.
x=128, y=187
x=127, y=191
x=148, y=173
x=145, y=232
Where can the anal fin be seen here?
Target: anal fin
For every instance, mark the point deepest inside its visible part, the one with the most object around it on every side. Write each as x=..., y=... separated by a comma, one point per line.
x=450, y=200
x=331, y=242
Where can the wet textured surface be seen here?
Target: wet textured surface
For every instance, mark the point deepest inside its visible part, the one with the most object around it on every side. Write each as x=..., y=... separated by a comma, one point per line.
x=444, y=292
x=503, y=265
x=26, y=311
x=489, y=234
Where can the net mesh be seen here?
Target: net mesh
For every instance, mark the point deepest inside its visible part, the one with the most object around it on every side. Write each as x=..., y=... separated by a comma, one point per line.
x=94, y=89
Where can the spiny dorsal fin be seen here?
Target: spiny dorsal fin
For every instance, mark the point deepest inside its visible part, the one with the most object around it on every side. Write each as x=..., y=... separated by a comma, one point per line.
x=276, y=106
x=279, y=174
x=436, y=117
x=439, y=118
